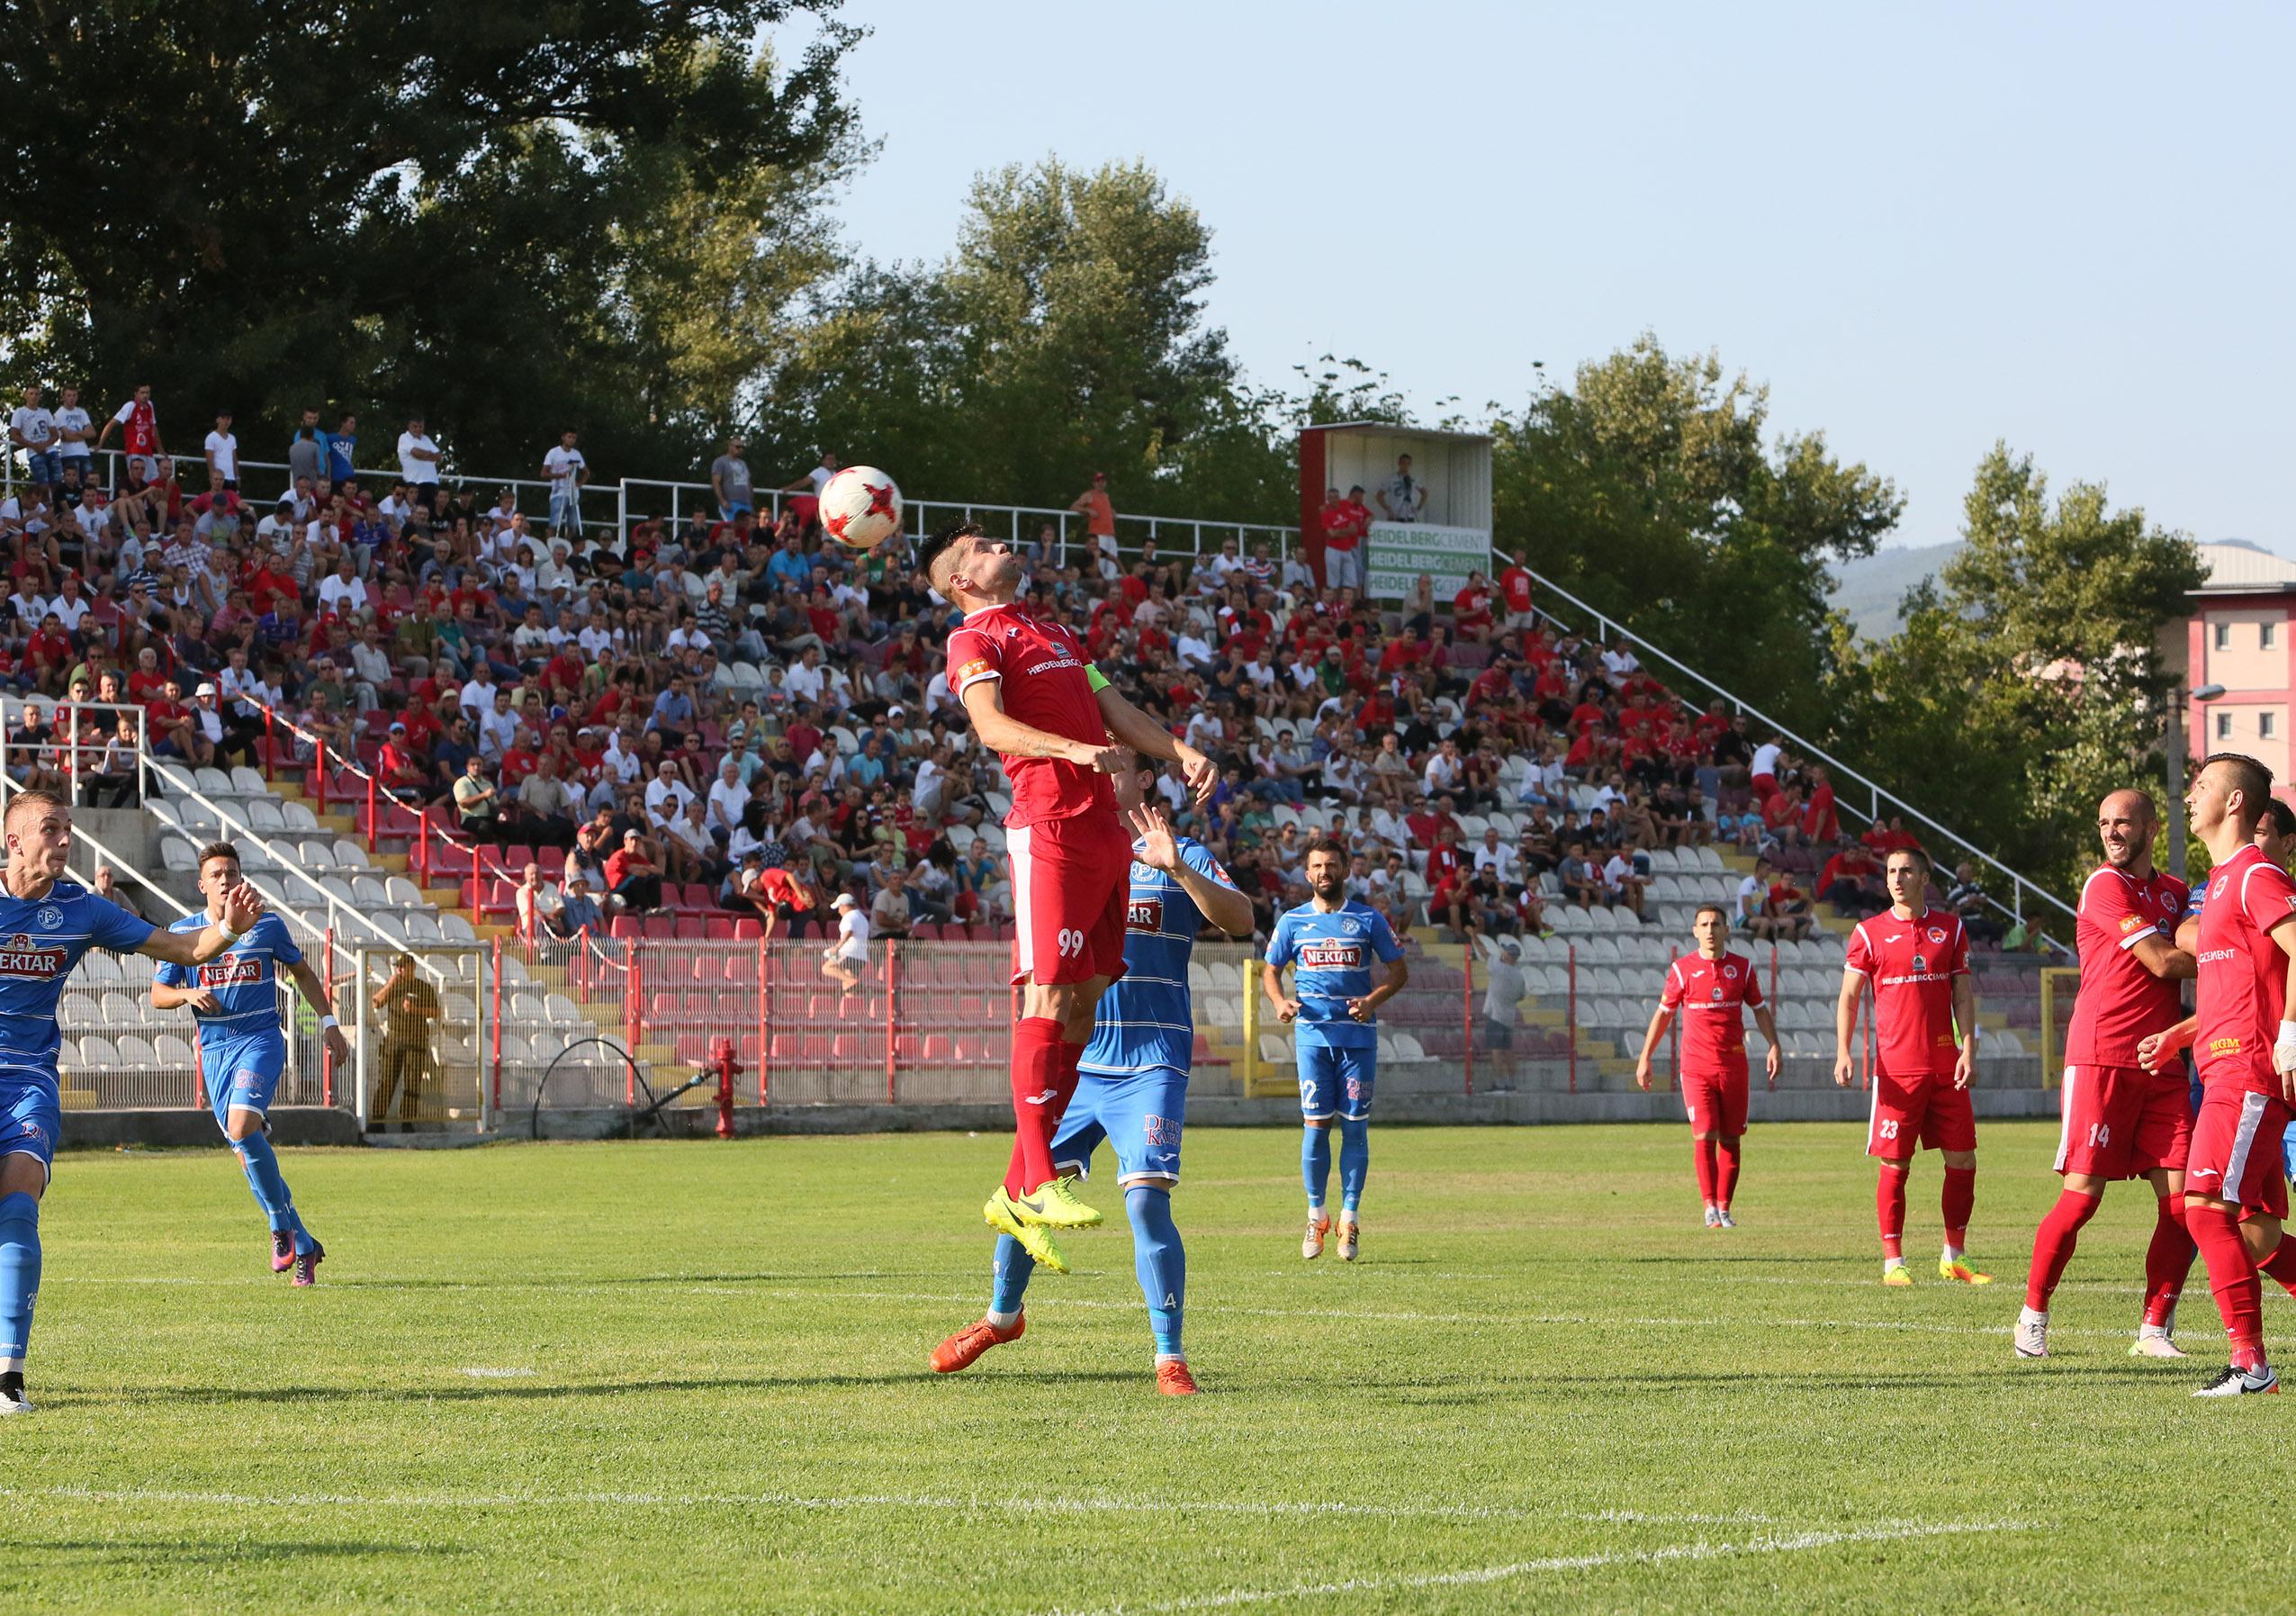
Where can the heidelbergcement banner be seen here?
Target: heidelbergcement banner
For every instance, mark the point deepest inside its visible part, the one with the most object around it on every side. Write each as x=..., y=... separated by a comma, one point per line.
x=1397, y=552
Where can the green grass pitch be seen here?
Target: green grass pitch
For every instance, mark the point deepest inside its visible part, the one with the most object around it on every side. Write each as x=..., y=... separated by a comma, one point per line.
x=691, y=1377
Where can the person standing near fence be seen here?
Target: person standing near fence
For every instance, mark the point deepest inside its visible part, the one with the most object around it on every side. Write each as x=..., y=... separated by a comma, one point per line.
x=566, y=472
x=234, y=999
x=1712, y=989
x=410, y=1006
x=1330, y=942
x=1133, y=1089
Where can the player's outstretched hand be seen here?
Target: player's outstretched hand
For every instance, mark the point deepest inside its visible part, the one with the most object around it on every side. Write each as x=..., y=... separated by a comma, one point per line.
x=1201, y=774
x=1841, y=1069
x=1101, y=760
x=242, y=907
x=204, y=1002
x=1643, y=1075
x=1158, y=849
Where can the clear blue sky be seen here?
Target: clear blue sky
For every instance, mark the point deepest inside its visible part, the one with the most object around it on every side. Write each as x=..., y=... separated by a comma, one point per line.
x=1925, y=227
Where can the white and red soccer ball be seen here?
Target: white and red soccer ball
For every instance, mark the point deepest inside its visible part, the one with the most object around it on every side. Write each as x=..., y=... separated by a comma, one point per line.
x=860, y=508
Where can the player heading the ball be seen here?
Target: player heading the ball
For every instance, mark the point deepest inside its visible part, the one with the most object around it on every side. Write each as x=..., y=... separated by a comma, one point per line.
x=1061, y=731
x=46, y=924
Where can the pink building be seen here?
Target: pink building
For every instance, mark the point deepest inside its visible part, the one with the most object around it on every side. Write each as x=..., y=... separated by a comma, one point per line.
x=2243, y=622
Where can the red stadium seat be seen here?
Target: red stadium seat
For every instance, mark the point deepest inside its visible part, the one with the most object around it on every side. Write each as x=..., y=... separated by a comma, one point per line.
x=935, y=1049
x=660, y=926
x=718, y=929
x=692, y=928
x=747, y=931
x=624, y=926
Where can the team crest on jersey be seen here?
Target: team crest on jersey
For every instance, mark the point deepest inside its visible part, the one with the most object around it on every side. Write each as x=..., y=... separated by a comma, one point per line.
x=1919, y=963
x=1351, y=926
x=2216, y=887
x=1718, y=993
x=49, y=917
x=1143, y=873
x=1936, y=933
x=1729, y=972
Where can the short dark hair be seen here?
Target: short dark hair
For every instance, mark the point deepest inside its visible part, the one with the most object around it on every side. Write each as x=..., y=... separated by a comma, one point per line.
x=2280, y=816
x=2250, y=778
x=1715, y=908
x=1912, y=853
x=1325, y=844
x=943, y=539
x=216, y=850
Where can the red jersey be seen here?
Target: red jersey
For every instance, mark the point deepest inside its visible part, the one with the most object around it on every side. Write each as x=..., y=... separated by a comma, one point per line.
x=2244, y=975
x=1043, y=669
x=1911, y=964
x=2120, y=1001
x=1713, y=996
x=1514, y=584
x=140, y=427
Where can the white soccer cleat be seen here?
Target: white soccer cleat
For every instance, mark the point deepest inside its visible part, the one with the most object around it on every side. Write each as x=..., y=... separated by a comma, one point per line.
x=2232, y=1382
x=2031, y=1337
x=13, y=1402
x=2153, y=1340
x=1723, y=1219
x=1319, y=1225
x=1714, y=1217
x=1348, y=1234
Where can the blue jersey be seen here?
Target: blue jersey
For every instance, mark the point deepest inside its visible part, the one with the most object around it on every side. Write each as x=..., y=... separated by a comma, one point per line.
x=1331, y=954
x=1144, y=1018
x=41, y=939
x=244, y=978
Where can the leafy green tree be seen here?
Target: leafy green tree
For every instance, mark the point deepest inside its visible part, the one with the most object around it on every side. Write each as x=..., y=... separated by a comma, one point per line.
x=507, y=217
x=2027, y=681
x=1648, y=488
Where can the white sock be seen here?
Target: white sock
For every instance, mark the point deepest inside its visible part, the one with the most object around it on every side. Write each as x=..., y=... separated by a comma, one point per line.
x=1003, y=1321
x=1952, y=1253
x=2032, y=1315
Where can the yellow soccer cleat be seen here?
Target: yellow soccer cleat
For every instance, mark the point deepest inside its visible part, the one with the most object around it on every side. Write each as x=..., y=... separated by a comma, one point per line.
x=1895, y=1273
x=1055, y=1206
x=1035, y=1239
x=1951, y=1268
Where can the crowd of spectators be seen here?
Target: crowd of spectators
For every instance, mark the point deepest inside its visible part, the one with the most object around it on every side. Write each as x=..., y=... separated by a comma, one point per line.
x=569, y=686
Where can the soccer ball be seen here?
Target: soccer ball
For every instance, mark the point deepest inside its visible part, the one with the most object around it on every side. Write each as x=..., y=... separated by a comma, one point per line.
x=860, y=508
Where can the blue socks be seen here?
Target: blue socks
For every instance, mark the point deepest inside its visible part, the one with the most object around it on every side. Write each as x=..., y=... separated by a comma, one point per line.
x=1156, y=1257
x=1161, y=1263
x=1315, y=1162
x=18, y=1274
x=1354, y=1159
x=270, y=1187
x=1012, y=1268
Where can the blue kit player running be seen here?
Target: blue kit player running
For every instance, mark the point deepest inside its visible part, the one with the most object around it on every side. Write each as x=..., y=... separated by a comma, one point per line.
x=1132, y=1089
x=46, y=924
x=1330, y=942
x=242, y=1049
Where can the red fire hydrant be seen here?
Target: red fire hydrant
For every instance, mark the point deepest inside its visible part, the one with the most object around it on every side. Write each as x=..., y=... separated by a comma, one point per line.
x=721, y=1055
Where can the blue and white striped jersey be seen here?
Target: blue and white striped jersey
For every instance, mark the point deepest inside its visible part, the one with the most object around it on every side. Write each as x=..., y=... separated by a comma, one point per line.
x=1145, y=1019
x=1331, y=952
x=41, y=939
x=244, y=978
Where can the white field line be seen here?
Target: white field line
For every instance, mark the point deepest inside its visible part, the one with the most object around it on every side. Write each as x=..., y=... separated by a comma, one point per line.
x=1790, y=1543
x=923, y=1502
x=485, y=1372
x=1386, y=1316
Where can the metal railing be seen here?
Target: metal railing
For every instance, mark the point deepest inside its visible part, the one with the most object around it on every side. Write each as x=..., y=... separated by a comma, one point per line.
x=65, y=749
x=1609, y=628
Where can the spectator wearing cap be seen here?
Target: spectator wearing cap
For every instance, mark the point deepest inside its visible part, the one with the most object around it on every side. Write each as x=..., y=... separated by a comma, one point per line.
x=633, y=875
x=578, y=911
x=844, y=961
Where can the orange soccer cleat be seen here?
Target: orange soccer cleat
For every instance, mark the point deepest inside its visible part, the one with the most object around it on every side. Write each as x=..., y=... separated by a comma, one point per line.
x=959, y=1351
x=1172, y=1379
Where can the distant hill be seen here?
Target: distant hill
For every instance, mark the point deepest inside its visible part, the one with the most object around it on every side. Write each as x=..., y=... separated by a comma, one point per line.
x=1867, y=590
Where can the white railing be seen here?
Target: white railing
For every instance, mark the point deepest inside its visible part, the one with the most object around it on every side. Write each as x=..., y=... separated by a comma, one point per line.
x=63, y=748
x=1878, y=795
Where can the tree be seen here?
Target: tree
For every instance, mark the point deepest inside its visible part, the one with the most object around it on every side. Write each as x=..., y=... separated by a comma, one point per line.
x=2027, y=681
x=504, y=216
x=1647, y=489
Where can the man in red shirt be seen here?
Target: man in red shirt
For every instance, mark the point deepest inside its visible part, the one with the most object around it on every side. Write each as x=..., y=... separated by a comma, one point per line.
x=1712, y=989
x=2235, y=1198
x=2120, y=1120
x=1061, y=731
x=1345, y=524
x=1515, y=592
x=1916, y=962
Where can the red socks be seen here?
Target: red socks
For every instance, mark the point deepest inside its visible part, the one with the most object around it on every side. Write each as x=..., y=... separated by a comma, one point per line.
x=2282, y=1266
x=2053, y=1245
x=1727, y=1150
x=2166, y=1261
x=2232, y=1277
x=1702, y=1159
x=1889, y=1210
x=1044, y=1078
x=1961, y=1195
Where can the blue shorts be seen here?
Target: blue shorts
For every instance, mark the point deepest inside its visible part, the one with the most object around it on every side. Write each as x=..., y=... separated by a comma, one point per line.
x=1335, y=1079
x=242, y=1074
x=32, y=1118
x=1138, y=1112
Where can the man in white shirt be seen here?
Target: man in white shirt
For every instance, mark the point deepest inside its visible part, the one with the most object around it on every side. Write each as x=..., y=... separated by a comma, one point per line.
x=1766, y=757
x=1622, y=878
x=728, y=798
x=222, y=454
x=666, y=788
x=71, y=605
x=1205, y=732
x=497, y=729
x=620, y=766
x=806, y=681
x=1494, y=854
x=75, y=435
x=33, y=428
x=418, y=456
x=555, y=574
x=1445, y=769
x=478, y=695
x=342, y=592
x=567, y=471
x=1191, y=648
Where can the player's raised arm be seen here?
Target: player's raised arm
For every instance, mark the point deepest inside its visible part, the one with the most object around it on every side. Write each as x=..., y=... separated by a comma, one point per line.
x=1000, y=732
x=1144, y=735
x=1218, y=901
x=242, y=907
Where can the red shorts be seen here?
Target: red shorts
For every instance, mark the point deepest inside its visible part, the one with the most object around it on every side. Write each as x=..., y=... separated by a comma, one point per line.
x=1924, y=1108
x=1071, y=882
x=2121, y=1121
x=1716, y=1102
x=2236, y=1150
